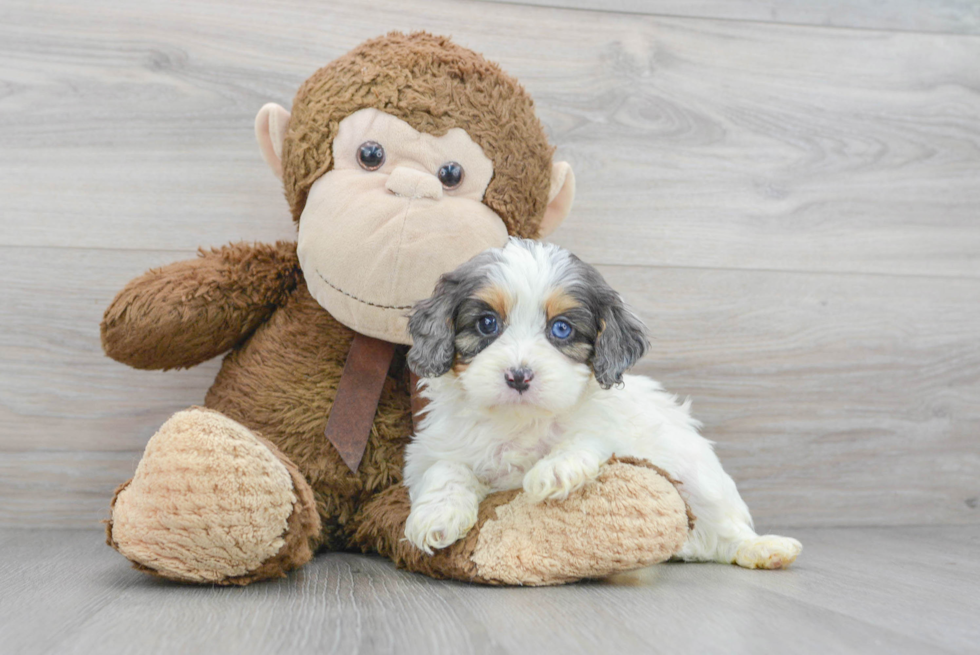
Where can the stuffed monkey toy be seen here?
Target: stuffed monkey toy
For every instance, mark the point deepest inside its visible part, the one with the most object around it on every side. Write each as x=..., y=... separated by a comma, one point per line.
x=400, y=160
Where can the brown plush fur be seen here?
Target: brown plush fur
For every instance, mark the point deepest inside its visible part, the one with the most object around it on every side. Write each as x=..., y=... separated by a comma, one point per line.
x=381, y=528
x=636, y=461
x=630, y=516
x=186, y=313
x=287, y=352
x=302, y=531
x=301, y=536
x=433, y=85
x=282, y=385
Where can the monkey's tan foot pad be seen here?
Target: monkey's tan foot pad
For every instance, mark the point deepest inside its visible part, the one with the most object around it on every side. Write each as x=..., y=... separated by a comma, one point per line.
x=212, y=502
x=631, y=516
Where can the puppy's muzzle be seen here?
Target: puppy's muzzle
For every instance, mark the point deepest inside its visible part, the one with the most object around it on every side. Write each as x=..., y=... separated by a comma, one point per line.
x=519, y=379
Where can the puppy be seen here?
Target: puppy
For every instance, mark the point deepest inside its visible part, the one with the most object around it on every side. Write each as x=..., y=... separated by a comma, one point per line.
x=522, y=351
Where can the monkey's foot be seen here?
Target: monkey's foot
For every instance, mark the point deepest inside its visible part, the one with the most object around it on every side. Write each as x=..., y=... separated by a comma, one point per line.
x=630, y=516
x=212, y=502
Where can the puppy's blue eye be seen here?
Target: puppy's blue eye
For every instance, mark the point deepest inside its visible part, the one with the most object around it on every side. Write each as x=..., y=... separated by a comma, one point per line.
x=487, y=325
x=561, y=329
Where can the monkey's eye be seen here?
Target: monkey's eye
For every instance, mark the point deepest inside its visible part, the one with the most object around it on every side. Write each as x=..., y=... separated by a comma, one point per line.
x=451, y=174
x=370, y=155
x=560, y=329
x=487, y=325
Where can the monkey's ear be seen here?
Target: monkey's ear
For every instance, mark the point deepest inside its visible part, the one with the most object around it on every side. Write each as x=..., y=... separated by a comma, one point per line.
x=270, y=130
x=559, y=198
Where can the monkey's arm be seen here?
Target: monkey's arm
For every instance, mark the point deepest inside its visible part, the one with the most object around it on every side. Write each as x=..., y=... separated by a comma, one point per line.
x=187, y=312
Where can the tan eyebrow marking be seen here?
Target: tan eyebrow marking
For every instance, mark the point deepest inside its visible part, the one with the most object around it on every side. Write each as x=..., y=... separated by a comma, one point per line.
x=499, y=300
x=559, y=302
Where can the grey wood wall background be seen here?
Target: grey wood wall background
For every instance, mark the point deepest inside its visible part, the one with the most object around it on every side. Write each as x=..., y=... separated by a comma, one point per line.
x=788, y=191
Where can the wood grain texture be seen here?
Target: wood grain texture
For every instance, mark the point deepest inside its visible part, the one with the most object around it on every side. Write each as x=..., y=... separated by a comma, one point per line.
x=59, y=391
x=62, y=488
x=792, y=209
x=834, y=399
x=696, y=142
x=948, y=16
x=854, y=590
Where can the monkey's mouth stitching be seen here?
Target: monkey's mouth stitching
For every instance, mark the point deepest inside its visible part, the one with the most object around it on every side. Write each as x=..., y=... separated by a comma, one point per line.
x=360, y=300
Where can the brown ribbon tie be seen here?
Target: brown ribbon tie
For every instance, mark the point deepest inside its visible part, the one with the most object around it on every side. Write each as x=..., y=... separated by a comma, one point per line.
x=358, y=393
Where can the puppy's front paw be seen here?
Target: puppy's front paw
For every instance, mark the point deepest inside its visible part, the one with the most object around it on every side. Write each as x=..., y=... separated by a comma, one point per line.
x=438, y=524
x=768, y=552
x=556, y=476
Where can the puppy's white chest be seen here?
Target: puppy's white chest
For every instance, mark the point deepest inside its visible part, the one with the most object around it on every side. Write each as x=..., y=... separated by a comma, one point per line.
x=513, y=454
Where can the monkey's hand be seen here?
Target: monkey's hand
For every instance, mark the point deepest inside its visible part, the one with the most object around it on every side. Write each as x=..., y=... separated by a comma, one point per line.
x=185, y=313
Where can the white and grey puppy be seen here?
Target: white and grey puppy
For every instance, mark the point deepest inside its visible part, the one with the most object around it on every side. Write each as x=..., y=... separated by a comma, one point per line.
x=523, y=352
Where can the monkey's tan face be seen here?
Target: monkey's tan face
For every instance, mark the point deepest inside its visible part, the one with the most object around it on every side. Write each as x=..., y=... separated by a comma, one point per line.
x=398, y=209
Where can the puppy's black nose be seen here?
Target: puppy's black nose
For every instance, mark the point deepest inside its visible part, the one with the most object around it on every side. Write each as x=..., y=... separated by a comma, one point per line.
x=519, y=378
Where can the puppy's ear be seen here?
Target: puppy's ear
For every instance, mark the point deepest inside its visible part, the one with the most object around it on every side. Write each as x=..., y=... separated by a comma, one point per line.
x=432, y=322
x=433, y=333
x=621, y=342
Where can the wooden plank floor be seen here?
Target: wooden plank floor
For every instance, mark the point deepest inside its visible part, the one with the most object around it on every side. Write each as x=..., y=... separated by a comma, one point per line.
x=854, y=590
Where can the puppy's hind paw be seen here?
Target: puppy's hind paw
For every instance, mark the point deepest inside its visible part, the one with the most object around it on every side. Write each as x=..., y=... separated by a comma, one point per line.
x=556, y=476
x=768, y=552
